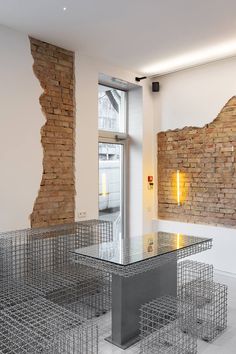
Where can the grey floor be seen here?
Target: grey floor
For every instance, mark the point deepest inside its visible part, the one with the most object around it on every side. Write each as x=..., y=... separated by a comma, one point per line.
x=224, y=344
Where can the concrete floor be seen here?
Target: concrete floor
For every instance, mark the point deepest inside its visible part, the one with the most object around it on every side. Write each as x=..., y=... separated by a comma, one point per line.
x=224, y=344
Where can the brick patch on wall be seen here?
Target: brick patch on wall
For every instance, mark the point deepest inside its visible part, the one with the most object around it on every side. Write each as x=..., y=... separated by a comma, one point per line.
x=205, y=158
x=54, y=67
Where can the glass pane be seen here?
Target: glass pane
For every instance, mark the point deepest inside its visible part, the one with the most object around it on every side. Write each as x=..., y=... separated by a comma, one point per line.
x=110, y=184
x=111, y=109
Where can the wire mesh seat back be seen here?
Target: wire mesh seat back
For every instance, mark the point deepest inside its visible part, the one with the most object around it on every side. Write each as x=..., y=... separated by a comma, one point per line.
x=41, y=259
x=26, y=252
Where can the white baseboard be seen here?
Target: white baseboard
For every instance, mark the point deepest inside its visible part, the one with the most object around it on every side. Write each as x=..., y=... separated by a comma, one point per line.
x=227, y=274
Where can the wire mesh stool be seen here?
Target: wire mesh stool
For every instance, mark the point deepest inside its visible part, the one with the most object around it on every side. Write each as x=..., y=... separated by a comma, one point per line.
x=39, y=326
x=210, y=300
x=163, y=327
x=188, y=271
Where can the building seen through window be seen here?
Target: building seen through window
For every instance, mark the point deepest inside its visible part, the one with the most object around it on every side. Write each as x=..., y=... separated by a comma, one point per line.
x=111, y=109
x=112, y=121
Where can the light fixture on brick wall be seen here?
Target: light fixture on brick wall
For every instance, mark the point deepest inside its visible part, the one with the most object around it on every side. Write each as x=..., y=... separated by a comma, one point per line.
x=178, y=192
x=180, y=187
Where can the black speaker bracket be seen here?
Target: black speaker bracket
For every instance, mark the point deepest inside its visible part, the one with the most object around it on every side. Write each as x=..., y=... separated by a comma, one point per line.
x=140, y=78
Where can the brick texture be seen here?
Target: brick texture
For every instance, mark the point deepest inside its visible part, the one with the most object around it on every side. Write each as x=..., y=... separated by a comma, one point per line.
x=206, y=160
x=54, y=68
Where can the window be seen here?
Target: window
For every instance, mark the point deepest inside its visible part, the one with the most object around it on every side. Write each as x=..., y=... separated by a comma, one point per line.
x=112, y=156
x=111, y=109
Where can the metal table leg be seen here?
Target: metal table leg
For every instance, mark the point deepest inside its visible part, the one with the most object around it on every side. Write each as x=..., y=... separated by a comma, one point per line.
x=129, y=293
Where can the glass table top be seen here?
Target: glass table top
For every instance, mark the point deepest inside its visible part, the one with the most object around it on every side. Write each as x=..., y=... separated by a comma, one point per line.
x=137, y=249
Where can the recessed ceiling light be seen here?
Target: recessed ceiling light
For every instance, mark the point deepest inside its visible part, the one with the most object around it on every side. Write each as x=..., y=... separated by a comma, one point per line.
x=191, y=59
x=64, y=8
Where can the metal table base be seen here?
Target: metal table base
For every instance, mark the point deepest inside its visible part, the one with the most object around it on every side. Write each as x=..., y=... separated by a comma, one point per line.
x=128, y=294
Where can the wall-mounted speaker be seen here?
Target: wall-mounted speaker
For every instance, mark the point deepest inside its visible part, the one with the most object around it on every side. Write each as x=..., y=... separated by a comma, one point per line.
x=155, y=86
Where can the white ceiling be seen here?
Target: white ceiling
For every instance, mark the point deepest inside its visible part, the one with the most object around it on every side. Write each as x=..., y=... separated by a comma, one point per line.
x=135, y=34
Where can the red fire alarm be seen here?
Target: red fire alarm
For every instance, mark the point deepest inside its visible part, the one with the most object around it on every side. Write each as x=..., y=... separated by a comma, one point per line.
x=150, y=182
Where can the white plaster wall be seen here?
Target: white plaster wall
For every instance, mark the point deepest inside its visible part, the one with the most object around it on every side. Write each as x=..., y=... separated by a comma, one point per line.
x=86, y=149
x=86, y=159
x=222, y=254
x=149, y=157
x=135, y=163
x=20, y=122
x=194, y=97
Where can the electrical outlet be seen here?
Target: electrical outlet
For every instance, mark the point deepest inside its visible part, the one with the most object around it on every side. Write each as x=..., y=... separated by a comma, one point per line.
x=82, y=214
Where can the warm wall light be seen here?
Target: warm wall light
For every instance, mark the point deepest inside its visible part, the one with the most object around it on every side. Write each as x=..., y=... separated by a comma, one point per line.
x=178, y=186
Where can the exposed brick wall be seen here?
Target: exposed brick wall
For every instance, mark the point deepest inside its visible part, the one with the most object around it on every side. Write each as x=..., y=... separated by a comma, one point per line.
x=206, y=157
x=54, y=67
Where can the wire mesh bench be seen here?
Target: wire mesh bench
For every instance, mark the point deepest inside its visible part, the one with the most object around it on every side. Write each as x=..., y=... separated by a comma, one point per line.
x=41, y=258
x=41, y=286
x=39, y=326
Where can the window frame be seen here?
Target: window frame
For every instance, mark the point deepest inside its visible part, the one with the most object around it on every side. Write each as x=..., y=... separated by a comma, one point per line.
x=123, y=134
x=122, y=138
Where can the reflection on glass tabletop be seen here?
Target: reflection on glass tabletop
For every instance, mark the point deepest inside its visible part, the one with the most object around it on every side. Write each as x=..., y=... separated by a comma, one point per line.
x=136, y=249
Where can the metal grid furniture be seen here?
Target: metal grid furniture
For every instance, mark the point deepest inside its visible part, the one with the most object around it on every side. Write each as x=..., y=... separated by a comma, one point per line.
x=39, y=326
x=24, y=252
x=92, y=232
x=41, y=259
x=128, y=270
x=90, y=298
x=188, y=271
x=44, y=261
x=163, y=324
x=112, y=249
x=13, y=293
x=40, y=286
x=210, y=300
x=134, y=267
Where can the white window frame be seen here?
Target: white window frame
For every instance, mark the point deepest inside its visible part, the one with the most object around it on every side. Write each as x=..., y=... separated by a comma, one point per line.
x=111, y=137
